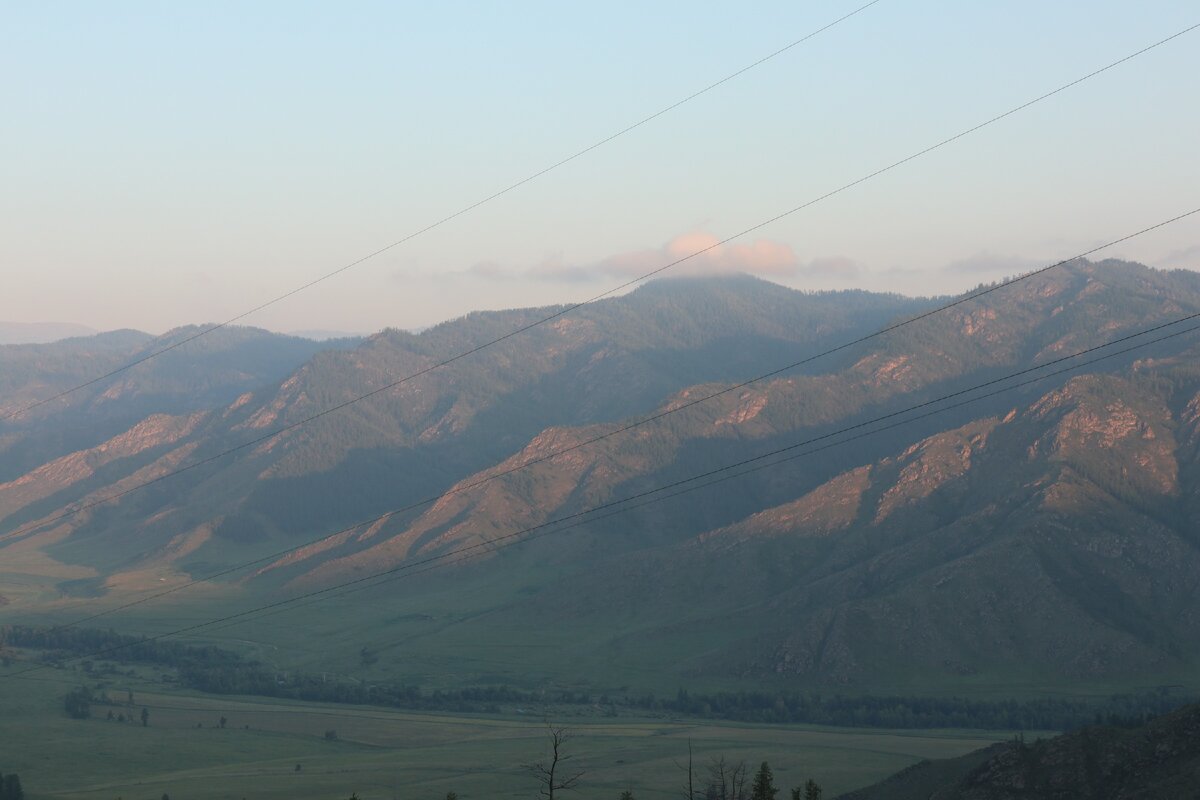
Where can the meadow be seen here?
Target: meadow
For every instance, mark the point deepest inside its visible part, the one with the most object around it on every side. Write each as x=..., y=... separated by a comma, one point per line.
x=270, y=749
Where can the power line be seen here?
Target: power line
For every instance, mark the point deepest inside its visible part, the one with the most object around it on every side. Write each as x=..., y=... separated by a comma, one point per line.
x=627, y=284
x=675, y=488
x=508, y=540
x=445, y=219
x=623, y=429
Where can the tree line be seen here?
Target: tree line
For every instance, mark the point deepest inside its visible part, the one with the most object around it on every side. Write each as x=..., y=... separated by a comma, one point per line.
x=859, y=711
x=218, y=671
x=78, y=705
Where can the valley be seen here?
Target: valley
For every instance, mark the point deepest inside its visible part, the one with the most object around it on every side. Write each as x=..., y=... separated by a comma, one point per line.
x=529, y=525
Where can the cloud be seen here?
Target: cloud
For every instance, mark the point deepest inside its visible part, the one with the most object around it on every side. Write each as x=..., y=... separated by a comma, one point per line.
x=1187, y=258
x=488, y=269
x=697, y=253
x=985, y=263
x=691, y=254
x=833, y=267
x=700, y=253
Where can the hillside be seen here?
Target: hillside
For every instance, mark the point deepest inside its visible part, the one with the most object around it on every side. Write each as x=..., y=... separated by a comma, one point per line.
x=1040, y=539
x=1055, y=540
x=1159, y=760
x=210, y=371
x=607, y=361
x=891, y=372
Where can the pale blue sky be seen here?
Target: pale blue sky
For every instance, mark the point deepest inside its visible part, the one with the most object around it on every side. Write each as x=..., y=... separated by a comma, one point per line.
x=175, y=163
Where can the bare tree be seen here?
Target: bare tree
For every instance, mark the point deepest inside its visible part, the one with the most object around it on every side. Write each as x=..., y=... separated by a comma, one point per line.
x=738, y=781
x=726, y=780
x=689, y=789
x=553, y=775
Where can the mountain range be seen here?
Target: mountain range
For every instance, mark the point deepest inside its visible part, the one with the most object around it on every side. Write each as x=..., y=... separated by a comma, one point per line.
x=1040, y=537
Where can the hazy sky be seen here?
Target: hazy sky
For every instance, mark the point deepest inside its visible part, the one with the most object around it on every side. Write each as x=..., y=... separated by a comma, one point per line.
x=167, y=163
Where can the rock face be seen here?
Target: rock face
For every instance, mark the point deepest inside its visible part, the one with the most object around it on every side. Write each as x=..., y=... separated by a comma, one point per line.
x=1159, y=761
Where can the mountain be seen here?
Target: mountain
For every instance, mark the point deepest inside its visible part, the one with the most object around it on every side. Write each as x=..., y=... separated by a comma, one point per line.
x=321, y=334
x=212, y=370
x=1056, y=539
x=1043, y=538
x=1159, y=760
x=41, y=332
x=609, y=360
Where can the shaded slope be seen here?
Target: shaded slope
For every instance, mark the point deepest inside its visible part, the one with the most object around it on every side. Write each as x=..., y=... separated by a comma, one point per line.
x=1158, y=761
x=199, y=375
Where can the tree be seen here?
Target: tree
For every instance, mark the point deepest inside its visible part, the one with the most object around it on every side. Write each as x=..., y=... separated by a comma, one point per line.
x=627, y=794
x=78, y=703
x=145, y=717
x=451, y=795
x=763, y=787
x=10, y=788
x=812, y=790
x=551, y=775
x=689, y=789
x=726, y=780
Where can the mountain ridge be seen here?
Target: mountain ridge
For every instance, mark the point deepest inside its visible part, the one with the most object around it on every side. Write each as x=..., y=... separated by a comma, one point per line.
x=999, y=535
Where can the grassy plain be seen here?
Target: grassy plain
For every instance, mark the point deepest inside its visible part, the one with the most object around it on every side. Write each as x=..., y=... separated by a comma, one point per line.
x=433, y=636
x=381, y=753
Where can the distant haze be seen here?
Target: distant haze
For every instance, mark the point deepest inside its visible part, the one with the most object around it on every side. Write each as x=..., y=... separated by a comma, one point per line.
x=41, y=332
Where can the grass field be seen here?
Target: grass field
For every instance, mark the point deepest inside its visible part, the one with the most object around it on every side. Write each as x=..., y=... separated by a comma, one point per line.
x=448, y=634
x=438, y=636
x=381, y=754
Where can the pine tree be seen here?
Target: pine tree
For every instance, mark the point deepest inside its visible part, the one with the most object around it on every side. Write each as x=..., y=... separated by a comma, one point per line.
x=812, y=790
x=763, y=787
x=12, y=788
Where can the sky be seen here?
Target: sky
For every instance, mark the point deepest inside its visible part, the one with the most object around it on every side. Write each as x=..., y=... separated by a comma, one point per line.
x=170, y=163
